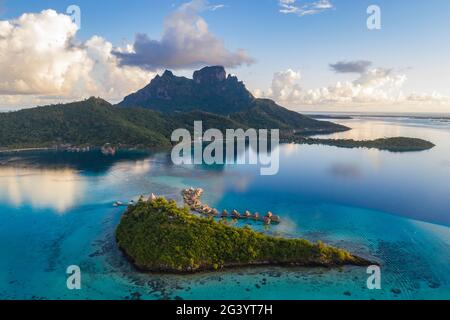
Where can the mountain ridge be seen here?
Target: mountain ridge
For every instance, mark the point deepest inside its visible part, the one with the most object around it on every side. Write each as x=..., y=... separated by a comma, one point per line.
x=95, y=122
x=210, y=89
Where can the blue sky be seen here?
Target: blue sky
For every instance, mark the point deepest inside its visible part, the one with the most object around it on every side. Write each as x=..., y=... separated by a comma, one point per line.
x=413, y=41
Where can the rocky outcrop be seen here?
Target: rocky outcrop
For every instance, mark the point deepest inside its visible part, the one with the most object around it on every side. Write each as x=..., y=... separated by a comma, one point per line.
x=210, y=90
x=209, y=75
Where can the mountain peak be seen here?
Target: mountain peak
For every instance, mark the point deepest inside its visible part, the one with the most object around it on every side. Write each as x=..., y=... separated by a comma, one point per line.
x=167, y=74
x=97, y=101
x=210, y=90
x=210, y=75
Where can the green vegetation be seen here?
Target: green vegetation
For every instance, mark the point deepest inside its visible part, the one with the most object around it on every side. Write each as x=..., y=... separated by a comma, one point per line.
x=95, y=122
x=396, y=144
x=147, y=118
x=91, y=122
x=158, y=236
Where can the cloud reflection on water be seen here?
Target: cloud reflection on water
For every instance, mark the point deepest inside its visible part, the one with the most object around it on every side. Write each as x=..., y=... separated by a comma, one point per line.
x=55, y=189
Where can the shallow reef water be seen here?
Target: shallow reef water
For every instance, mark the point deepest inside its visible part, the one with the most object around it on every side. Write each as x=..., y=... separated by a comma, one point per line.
x=56, y=211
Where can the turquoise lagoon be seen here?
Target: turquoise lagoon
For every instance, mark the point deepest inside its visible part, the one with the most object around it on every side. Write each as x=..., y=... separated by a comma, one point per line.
x=56, y=211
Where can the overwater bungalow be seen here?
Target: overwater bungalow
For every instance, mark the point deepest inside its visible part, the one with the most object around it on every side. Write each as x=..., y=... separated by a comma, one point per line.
x=276, y=219
x=206, y=210
x=108, y=150
x=152, y=197
x=191, y=198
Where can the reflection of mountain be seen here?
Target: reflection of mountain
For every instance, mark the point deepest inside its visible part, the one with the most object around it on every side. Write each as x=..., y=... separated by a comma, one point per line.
x=244, y=151
x=96, y=162
x=92, y=161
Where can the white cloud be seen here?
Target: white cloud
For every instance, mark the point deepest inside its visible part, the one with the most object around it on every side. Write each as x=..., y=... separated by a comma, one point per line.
x=428, y=98
x=374, y=86
x=54, y=67
x=304, y=9
x=186, y=42
x=285, y=86
x=40, y=43
x=40, y=61
x=216, y=7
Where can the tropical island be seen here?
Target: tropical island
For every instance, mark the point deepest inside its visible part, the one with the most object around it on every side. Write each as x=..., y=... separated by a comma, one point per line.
x=394, y=144
x=158, y=236
x=146, y=119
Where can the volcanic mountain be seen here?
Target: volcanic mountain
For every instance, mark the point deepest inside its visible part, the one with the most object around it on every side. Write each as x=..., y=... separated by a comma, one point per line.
x=212, y=91
x=147, y=118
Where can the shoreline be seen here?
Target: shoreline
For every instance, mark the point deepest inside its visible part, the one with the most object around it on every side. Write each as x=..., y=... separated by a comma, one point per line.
x=16, y=150
x=91, y=148
x=348, y=115
x=362, y=262
x=156, y=218
x=392, y=144
x=381, y=144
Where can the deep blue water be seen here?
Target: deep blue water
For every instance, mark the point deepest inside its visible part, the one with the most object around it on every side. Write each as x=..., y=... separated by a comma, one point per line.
x=56, y=210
